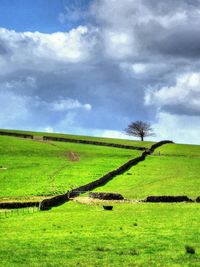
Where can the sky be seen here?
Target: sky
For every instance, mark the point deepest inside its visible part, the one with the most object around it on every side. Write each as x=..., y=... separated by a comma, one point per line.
x=92, y=67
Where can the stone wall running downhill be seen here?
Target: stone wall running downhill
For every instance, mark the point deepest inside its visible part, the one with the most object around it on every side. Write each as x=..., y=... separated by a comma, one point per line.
x=47, y=204
x=59, y=200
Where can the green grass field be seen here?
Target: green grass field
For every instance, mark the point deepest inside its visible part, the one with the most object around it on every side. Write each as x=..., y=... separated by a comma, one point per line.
x=44, y=168
x=74, y=234
x=172, y=170
x=86, y=235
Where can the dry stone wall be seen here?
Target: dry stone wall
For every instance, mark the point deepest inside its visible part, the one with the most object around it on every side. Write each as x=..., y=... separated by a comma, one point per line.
x=18, y=205
x=88, y=142
x=29, y=136
x=168, y=199
x=59, y=200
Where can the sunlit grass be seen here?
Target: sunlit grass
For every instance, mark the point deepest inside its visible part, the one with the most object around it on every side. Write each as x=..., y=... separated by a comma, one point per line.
x=145, y=235
x=134, y=234
x=172, y=170
x=38, y=168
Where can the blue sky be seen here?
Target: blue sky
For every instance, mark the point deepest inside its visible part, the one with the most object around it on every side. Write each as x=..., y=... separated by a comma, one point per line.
x=37, y=15
x=23, y=15
x=92, y=67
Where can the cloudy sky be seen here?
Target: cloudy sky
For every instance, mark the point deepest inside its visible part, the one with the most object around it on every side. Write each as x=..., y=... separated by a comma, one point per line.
x=91, y=67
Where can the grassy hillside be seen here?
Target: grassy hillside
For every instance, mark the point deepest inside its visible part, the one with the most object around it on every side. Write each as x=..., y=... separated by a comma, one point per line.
x=45, y=168
x=90, y=138
x=141, y=235
x=172, y=170
x=33, y=168
x=134, y=234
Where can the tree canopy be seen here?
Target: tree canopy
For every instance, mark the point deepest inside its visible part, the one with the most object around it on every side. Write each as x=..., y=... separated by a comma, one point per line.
x=140, y=129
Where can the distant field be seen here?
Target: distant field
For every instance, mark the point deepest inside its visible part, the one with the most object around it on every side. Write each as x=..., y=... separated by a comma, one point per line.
x=44, y=168
x=141, y=235
x=91, y=138
x=172, y=170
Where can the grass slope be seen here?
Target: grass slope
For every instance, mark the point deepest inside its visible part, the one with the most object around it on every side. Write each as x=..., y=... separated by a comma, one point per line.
x=90, y=138
x=172, y=170
x=43, y=168
x=142, y=235
x=134, y=234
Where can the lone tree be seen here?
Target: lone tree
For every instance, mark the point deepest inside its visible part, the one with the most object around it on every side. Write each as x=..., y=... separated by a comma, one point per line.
x=140, y=129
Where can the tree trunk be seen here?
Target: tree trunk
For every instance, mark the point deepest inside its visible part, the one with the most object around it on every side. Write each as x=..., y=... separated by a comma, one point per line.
x=142, y=138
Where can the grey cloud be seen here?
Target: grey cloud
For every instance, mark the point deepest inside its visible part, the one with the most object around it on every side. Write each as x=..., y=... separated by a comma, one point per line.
x=3, y=50
x=181, y=110
x=180, y=44
x=157, y=27
x=170, y=6
x=181, y=98
x=182, y=41
x=102, y=85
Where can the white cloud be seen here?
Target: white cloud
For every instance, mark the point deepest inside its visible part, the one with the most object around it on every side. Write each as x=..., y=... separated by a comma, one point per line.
x=41, y=51
x=67, y=104
x=118, y=44
x=185, y=93
x=139, y=68
x=114, y=134
x=178, y=128
x=49, y=129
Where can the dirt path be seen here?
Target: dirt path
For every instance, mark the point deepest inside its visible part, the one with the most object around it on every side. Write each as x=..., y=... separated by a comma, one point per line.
x=72, y=156
x=91, y=201
x=24, y=199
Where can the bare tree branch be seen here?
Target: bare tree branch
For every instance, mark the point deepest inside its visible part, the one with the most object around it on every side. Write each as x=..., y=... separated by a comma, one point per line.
x=140, y=129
